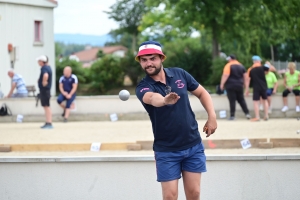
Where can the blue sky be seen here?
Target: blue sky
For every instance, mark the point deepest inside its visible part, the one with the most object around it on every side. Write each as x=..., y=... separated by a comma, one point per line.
x=83, y=16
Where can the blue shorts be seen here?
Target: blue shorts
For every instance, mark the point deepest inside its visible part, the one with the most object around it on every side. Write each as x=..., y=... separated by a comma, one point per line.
x=269, y=92
x=62, y=98
x=169, y=165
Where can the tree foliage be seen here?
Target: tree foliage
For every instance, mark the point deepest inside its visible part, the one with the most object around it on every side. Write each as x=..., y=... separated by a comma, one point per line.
x=189, y=55
x=128, y=13
x=105, y=74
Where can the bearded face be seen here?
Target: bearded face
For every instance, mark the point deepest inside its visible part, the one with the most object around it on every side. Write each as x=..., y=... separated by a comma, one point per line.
x=151, y=64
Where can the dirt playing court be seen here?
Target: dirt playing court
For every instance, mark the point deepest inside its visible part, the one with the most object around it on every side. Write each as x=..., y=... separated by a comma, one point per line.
x=132, y=131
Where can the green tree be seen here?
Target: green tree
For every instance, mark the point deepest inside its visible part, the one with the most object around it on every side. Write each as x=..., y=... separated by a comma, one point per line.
x=105, y=74
x=120, y=38
x=131, y=67
x=100, y=54
x=189, y=55
x=128, y=13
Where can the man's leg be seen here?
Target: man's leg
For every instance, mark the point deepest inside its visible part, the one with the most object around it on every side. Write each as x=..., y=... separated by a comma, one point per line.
x=60, y=100
x=68, y=105
x=45, y=101
x=241, y=100
x=170, y=190
x=48, y=114
x=231, y=95
x=191, y=182
x=266, y=104
x=256, y=108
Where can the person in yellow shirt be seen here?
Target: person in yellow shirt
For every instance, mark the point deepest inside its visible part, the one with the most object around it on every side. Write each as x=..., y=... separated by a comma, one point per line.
x=271, y=83
x=292, y=84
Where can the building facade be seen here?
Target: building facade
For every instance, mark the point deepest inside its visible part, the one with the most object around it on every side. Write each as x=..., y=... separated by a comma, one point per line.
x=26, y=31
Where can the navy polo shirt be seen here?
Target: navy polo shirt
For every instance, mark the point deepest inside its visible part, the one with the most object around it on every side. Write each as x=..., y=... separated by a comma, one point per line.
x=45, y=69
x=174, y=126
x=68, y=82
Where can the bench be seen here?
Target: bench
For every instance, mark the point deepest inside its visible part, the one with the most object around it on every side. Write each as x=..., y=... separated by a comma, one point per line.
x=31, y=88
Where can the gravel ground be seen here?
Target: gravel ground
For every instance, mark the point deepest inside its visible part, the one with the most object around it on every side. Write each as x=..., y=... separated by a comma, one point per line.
x=132, y=131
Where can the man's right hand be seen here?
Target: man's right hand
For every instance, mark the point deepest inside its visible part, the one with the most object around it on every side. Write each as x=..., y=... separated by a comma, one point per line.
x=171, y=98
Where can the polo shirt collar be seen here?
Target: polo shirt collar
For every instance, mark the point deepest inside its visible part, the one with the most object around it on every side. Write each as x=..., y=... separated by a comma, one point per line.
x=167, y=72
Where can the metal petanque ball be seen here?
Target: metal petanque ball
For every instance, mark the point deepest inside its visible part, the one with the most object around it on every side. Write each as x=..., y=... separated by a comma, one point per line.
x=298, y=132
x=124, y=95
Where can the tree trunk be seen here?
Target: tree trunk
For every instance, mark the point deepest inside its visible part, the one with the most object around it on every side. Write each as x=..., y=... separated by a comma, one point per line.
x=215, y=44
x=272, y=53
x=134, y=36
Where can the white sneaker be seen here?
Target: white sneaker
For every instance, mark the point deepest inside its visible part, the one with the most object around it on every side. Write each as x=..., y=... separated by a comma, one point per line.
x=270, y=110
x=284, y=109
x=297, y=109
x=261, y=107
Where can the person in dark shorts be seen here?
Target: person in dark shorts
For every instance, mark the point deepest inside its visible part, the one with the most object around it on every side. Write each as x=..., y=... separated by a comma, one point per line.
x=292, y=85
x=67, y=86
x=233, y=79
x=45, y=83
x=177, y=143
x=257, y=80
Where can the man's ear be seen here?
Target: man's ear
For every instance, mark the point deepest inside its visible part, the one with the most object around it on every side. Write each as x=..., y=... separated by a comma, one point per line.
x=163, y=58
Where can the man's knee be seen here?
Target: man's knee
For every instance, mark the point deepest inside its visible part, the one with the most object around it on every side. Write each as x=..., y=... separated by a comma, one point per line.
x=170, y=195
x=193, y=193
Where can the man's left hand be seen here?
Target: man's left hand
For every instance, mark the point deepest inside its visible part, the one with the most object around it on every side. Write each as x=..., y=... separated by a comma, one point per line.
x=210, y=126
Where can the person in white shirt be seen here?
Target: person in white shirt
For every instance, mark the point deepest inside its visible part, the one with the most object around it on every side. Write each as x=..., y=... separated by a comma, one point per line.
x=17, y=83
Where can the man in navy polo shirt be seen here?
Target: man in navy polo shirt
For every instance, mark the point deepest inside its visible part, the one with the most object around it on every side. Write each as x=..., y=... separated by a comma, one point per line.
x=177, y=142
x=45, y=83
x=67, y=86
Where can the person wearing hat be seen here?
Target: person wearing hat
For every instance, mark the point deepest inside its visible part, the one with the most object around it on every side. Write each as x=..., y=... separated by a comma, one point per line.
x=256, y=78
x=45, y=83
x=177, y=142
x=292, y=84
x=233, y=79
x=271, y=83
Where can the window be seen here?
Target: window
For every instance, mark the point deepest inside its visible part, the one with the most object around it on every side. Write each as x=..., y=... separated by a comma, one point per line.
x=38, y=31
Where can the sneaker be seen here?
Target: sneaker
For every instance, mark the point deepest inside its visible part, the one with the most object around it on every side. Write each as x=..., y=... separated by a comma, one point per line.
x=270, y=110
x=47, y=126
x=255, y=120
x=231, y=118
x=297, y=109
x=65, y=120
x=248, y=116
x=266, y=118
x=284, y=109
x=261, y=107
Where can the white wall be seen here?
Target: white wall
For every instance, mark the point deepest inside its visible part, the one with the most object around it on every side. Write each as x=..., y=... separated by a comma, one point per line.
x=109, y=178
x=17, y=28
x=112, y=104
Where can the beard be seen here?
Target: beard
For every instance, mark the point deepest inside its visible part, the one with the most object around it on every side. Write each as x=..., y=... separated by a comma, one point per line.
x=156, y=71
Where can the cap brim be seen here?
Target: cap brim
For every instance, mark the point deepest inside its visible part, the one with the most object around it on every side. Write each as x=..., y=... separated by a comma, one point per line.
x=149, y=52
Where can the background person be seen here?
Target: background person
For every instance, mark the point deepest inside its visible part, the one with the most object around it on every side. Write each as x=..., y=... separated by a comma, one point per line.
x=177, y=142
x=257, y=80
x=233, y=79
x=292, y=84
x=272, y=84
x=18, y=83
x=45, y=83
x=67, y=86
